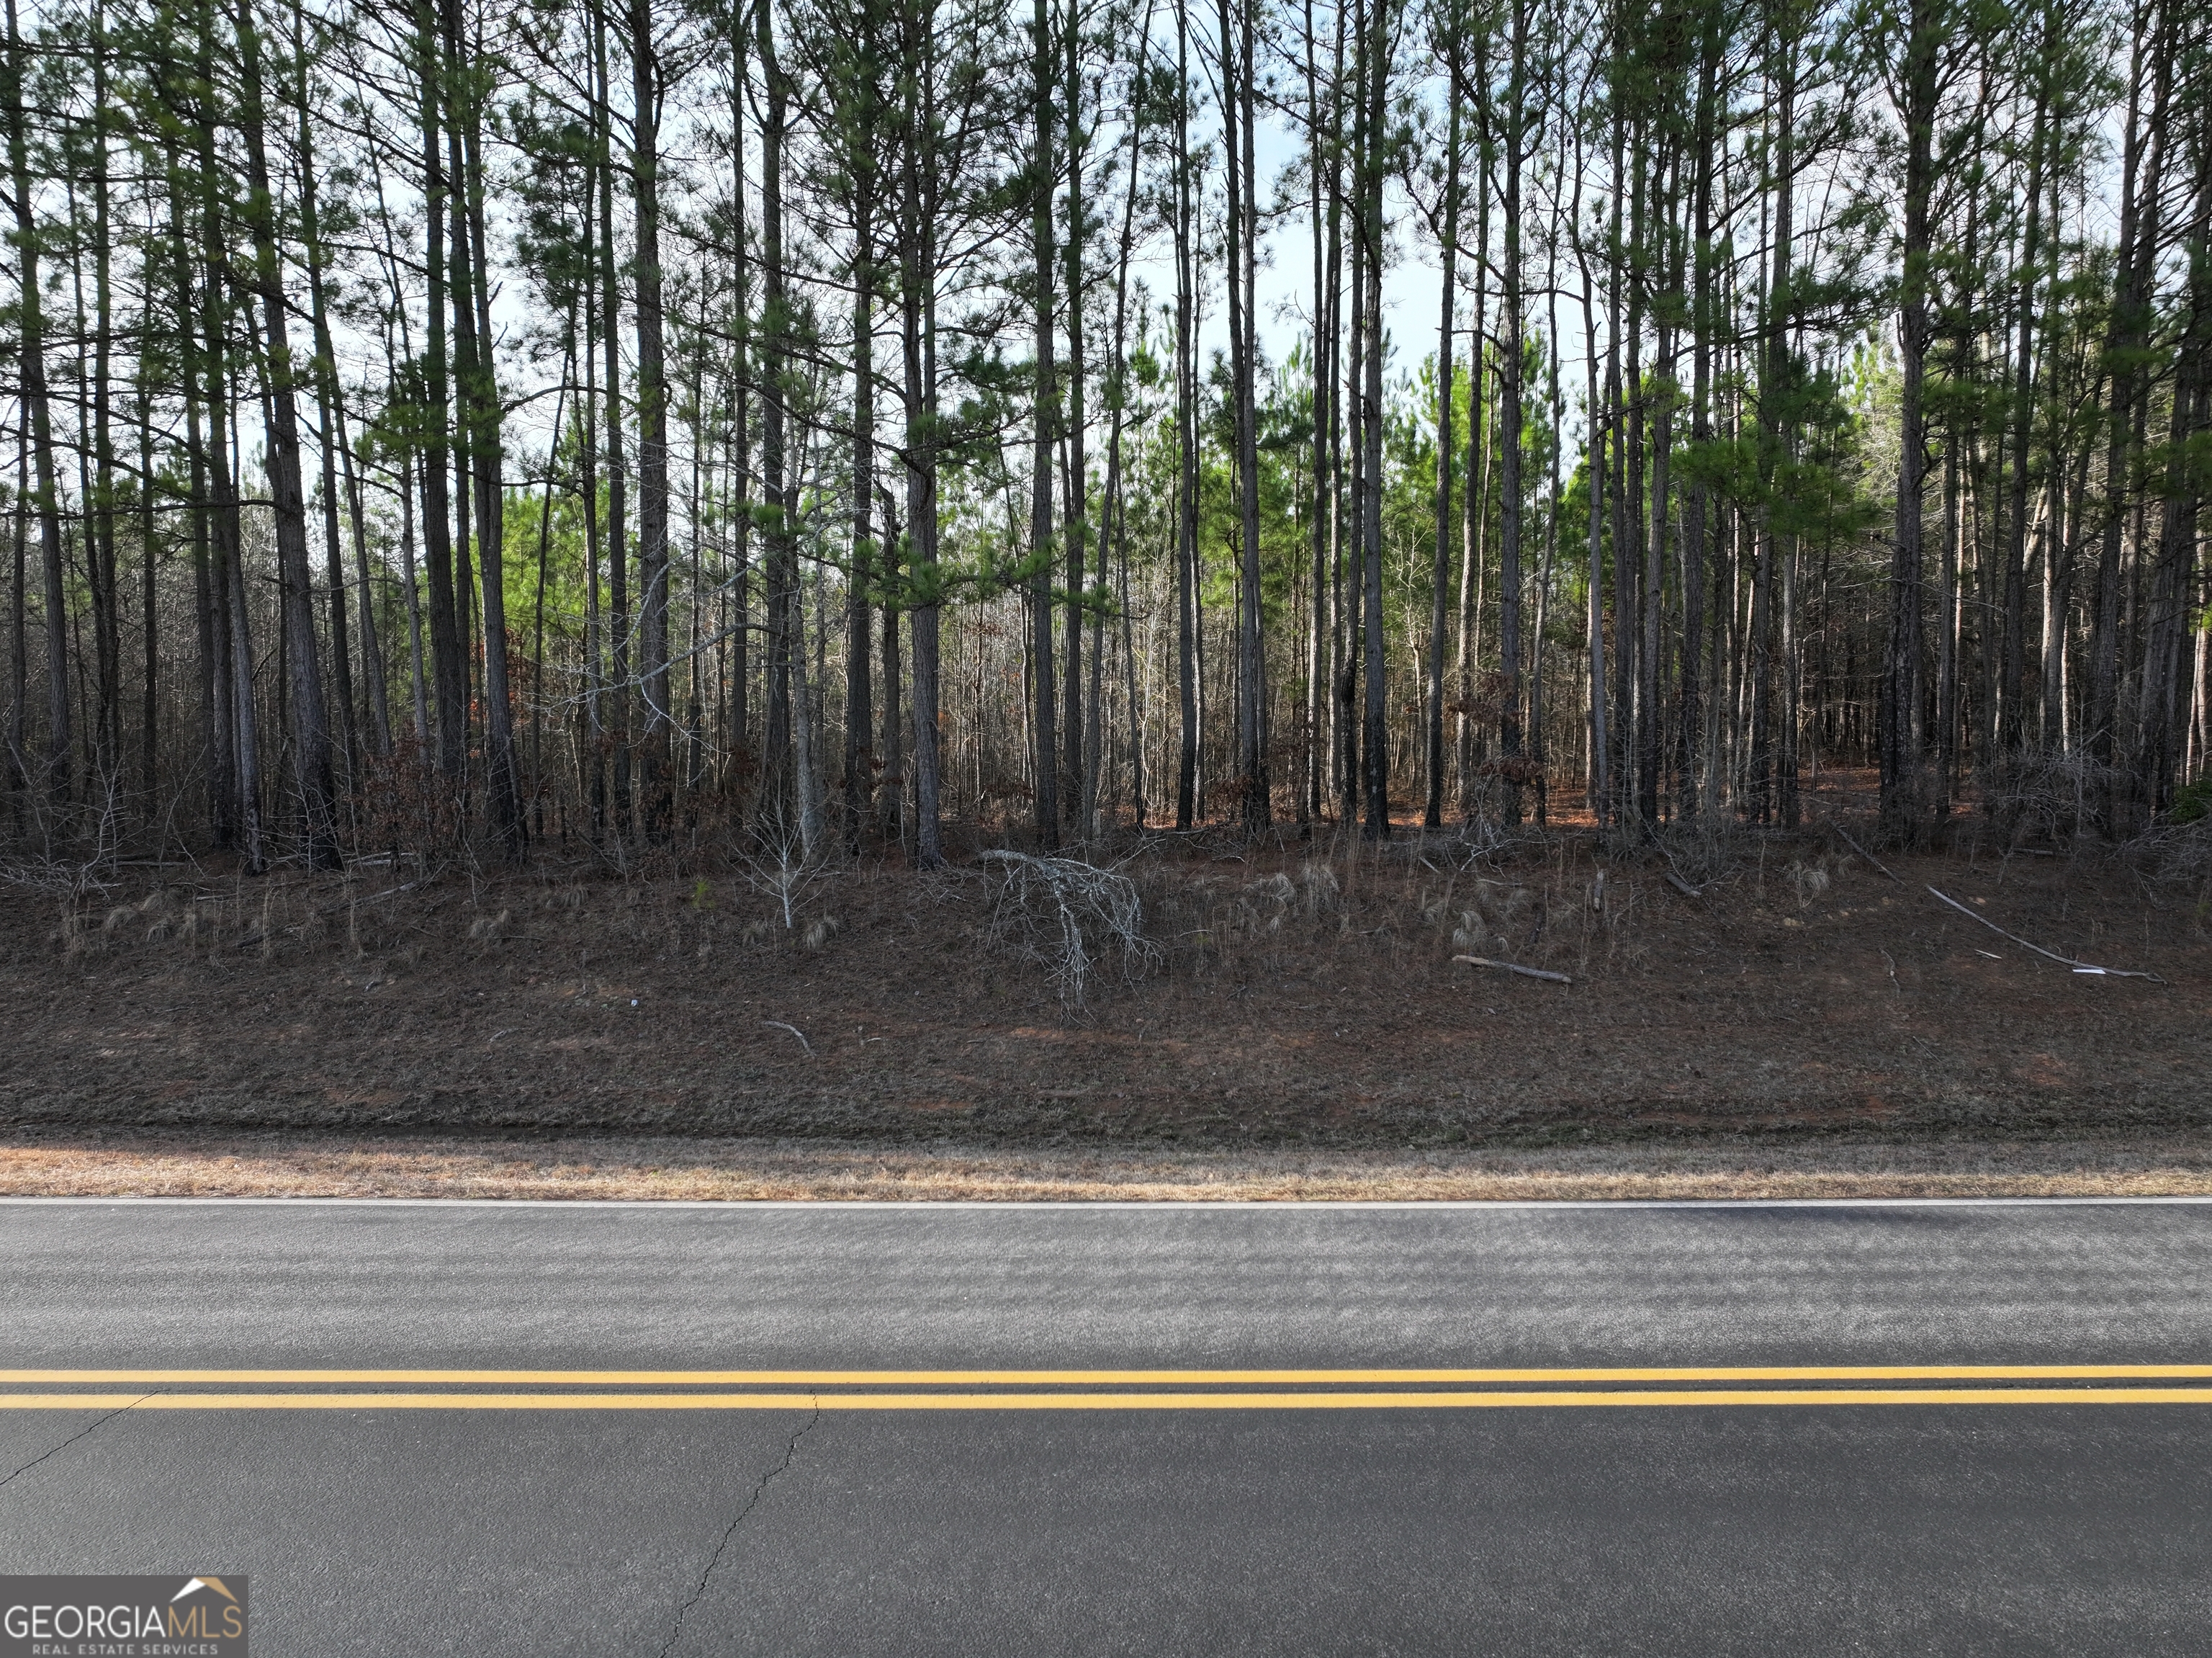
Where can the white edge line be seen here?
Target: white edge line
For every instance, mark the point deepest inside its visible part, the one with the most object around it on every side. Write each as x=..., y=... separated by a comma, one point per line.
x=1015, y=1206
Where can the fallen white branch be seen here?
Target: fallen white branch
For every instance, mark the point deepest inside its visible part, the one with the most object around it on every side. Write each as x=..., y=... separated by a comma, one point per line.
x=1545, y=973
x=795, y=1031
x=1872, y=859
x=2062, y=961
x=1068, y=915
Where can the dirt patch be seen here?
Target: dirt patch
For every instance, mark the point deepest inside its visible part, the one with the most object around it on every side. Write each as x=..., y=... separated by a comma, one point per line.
x=1305, y=1004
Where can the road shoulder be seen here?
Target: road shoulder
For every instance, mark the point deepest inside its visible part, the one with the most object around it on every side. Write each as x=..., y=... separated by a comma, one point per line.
x=181, y=1164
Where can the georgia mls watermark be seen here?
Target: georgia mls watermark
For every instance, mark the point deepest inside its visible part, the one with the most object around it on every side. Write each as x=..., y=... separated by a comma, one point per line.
x=200, y=1616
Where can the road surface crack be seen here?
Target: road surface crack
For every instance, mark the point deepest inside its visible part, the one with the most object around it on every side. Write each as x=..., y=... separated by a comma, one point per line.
x=760, y=1489
x=105, y=1418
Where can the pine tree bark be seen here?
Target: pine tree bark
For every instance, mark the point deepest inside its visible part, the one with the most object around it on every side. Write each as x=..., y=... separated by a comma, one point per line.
x=2012, y=717
x=615, y=699
x=1075, y=795
x=1116, y=524
x=917, y=208
x=99, y=503
x=1474, y=534
x=1666, y=184
x=2143, y=165
x=1044, y=400
x=653, y=755
x=310, y=733
x=1697, y=498
x=779, y=807
x=480, y=412
x=739, y=737
x=326, y=398
x=1352, y=562
x=39, y=416
x=1440, y=567
x=1373, y=172
x=448, y=679
x=2172, y=600
x=1186, y=345
x=1767, y=766
x=1237, y=44
x=860, y=699
x=1321, y=164
x=1512, y=417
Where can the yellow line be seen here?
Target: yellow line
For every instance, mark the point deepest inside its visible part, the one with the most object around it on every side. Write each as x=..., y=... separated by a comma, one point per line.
x=1341, y=1400
x=1120, y=1378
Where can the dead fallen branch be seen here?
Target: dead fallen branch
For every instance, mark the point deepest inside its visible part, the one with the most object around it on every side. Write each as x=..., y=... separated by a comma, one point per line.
x=795, y=1031
x=350, y=900
x=1069, y=916
x=1684, y=887
x=2064, y=961
x=1872, y=859
x=1545, y=973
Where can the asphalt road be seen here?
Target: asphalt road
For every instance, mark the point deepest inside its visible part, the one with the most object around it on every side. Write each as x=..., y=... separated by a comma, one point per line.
x=1111, y=1429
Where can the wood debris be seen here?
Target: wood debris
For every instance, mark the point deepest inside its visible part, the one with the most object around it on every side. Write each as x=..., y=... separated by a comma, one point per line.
x=1545, y=973
x=2064, y=961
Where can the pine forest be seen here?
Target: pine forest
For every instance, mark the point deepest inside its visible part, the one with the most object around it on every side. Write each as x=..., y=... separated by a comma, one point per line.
x=882, y=429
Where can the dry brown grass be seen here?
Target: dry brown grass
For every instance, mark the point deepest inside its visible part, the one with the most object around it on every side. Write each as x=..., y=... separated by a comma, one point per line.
x=656, y=1169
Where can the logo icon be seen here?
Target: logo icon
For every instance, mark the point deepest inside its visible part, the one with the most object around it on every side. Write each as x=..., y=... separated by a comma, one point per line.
x=139, y=1616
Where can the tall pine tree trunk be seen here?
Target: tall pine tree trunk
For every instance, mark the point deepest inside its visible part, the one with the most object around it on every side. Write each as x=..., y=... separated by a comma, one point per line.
x=779, y=807
x=2143, y=152
x=1511, y=414
x=859, y=700
x=1073, y=794
x=1186, y=254
x=2011, y=722
x=1440, y=567
x=1373, y=172
x=615, y=700
x=654, y=753
x=1043, y=414
x=448, y=677
x=310, y=734
x=1697, y=498
x=479, y=411
x=31, y=353
x=918, y=318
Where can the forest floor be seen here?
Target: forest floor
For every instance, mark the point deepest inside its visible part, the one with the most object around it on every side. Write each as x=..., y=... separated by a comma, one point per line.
x=1295, y=1025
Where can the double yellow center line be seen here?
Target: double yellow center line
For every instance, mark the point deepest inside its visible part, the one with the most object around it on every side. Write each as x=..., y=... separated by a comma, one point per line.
x=1100, y=1390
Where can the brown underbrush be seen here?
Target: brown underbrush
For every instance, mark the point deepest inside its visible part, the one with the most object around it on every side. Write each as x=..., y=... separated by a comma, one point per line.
x=1727, y=994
